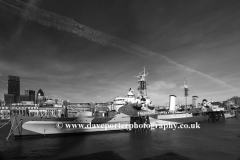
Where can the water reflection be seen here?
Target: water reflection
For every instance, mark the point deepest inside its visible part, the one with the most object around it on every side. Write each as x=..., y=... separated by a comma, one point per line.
x=212, y=141
x=168, y=156
x=97, y=156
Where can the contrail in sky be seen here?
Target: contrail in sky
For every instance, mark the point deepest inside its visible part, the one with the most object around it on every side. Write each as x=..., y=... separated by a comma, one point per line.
x=50, y=19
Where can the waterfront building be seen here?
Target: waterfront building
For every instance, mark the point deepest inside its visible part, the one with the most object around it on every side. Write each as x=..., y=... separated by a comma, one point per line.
x=32, y=110
x=74, y=108
x=23, y=98
x=8, y=99
x=14, y=87
x=4, y=112
x=27, y=103
x=52, y=103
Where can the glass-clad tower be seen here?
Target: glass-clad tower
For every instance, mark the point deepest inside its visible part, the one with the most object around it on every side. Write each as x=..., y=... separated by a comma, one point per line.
x=14, y=86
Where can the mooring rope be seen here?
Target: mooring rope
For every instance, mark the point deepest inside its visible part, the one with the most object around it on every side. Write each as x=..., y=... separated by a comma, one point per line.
x=5, y=124
x=12, y=130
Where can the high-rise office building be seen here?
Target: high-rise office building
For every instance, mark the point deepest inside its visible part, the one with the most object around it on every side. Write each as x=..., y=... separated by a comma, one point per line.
x=31, y=94
x=14, y=87
x=40, y=97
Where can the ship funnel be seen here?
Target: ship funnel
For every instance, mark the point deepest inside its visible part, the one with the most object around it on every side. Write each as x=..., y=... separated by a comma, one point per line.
x=194, y=101
x=172, y=103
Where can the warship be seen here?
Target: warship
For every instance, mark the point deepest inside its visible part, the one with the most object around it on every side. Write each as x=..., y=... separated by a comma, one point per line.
x=127, y=113
x=137, y=110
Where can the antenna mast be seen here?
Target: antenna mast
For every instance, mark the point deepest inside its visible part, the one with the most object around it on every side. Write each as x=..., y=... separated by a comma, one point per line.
x=185, y=86
x=142, y=88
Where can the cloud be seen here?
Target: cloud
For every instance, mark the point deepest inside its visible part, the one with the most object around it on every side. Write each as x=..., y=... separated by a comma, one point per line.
x=161, y=86
x=50, y=19
x=55, y=96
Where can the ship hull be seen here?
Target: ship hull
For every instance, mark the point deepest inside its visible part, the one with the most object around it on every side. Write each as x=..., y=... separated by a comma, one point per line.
x=230, y=115
x=36, y=126
x=180, y=118
x=41, y=126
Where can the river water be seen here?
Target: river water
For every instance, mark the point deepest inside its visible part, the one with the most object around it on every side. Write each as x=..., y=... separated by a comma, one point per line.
x=220, y=141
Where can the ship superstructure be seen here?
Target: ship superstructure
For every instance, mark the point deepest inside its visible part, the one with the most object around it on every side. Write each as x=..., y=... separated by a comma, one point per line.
x=141, y=99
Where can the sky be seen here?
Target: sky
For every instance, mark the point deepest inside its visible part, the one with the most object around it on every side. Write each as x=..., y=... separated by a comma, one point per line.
x=174, y=39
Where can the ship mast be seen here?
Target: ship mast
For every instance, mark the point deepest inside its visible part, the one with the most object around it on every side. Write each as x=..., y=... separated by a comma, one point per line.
x=142, y=88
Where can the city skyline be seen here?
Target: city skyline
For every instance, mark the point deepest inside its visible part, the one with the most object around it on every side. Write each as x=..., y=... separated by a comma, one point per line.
x=177, y=40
